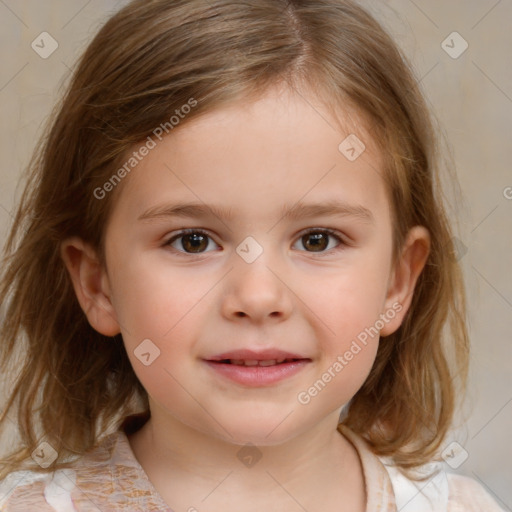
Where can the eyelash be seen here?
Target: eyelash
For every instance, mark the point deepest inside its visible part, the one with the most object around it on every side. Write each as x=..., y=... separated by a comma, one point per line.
x=327, y=231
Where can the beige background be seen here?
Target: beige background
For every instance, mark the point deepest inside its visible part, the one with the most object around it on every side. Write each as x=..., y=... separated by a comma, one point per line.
x=472, y=97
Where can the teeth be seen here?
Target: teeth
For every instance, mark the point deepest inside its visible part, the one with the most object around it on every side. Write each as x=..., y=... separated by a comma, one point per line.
x=256, y=362
x=269, y=362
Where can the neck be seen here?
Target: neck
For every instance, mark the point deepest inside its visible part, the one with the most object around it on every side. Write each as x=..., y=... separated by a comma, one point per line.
x=184, y=463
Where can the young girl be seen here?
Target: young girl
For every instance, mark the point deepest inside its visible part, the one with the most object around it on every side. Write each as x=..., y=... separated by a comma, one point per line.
x=228, y=280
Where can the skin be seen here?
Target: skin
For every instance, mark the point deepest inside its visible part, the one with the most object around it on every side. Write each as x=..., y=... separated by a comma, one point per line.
x=253, y=158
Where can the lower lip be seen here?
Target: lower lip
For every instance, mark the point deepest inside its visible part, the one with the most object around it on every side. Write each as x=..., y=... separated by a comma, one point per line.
x=258, y=376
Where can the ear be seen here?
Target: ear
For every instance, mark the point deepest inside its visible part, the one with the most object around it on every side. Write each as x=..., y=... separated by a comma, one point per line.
x=404, y=276
x=91, y=284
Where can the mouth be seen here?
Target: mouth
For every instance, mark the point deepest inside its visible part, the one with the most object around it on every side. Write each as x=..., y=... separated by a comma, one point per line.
x=257, y=362
x=257, y=369
x=251, y=356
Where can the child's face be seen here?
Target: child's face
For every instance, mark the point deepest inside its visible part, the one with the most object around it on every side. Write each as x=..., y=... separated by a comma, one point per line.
x=309, y=297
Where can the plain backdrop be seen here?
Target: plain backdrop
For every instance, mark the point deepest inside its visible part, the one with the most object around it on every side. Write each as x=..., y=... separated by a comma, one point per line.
x=471, y=95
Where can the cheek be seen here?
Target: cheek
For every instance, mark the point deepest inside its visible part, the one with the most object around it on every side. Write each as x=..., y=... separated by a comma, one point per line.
x=172, y=389
x=153, y=301
x=349, y=305
x=351, y=300
x=160, y=321
x=348, y=346
x=161, y=314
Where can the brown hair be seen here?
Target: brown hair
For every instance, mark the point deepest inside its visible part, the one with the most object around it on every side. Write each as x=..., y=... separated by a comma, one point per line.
x=148, y=60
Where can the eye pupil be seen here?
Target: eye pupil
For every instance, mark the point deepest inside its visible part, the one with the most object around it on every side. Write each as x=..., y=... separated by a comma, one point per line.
x=319, y=241
x=194, y=241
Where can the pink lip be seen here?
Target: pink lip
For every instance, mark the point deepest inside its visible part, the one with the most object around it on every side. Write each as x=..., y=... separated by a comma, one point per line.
x=257, y=376
x=261, y=355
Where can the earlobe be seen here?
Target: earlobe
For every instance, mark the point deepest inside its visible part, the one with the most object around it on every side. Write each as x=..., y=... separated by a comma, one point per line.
x=91, y=285
x=404, y=277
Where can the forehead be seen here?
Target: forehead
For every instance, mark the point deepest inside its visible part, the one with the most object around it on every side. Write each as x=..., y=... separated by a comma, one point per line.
x=257, y=155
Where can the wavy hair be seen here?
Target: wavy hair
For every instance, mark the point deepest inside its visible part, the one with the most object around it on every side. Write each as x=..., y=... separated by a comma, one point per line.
x=71, y=384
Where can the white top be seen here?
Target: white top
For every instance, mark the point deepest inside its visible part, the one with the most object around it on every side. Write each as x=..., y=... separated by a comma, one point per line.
x=109, y=477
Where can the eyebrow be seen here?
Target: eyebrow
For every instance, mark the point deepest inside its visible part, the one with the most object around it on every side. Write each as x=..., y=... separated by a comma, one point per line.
x=296, y=212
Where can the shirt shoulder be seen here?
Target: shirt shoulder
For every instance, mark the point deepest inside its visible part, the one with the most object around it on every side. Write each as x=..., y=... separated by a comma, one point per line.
x=108, y=477
x=30, y=490
x=436, y=490
x=468, y=495
x=441, y=492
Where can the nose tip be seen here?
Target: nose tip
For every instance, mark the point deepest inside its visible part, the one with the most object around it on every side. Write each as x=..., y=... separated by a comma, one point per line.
x=254, y=292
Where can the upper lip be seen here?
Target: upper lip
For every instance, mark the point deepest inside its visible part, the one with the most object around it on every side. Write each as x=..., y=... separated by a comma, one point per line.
x=263, y=355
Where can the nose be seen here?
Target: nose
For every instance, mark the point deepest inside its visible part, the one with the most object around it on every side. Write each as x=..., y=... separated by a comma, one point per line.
x=257, y=293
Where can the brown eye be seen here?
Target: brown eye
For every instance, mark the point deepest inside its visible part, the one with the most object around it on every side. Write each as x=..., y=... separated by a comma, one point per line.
x=316, y=241
x=191, y=242
x=320, y=241
x=195, y=242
